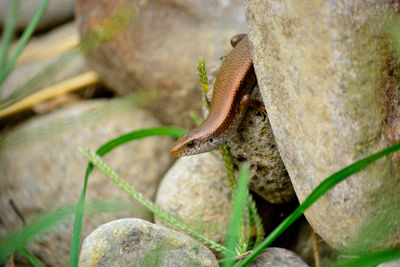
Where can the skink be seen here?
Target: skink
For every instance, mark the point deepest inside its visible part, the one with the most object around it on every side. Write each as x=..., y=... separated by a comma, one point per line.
x=231, y=96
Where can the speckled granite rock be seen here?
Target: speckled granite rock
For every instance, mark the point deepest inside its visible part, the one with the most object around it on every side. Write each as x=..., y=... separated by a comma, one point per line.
x=329, y=81
x=57, y=11
x=196, y=189
x=161, y=49
x=134, y=242
x=41, y=169
x=278, y=257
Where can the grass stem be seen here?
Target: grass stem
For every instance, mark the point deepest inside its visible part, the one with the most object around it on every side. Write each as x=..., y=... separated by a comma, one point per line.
x=23, y=41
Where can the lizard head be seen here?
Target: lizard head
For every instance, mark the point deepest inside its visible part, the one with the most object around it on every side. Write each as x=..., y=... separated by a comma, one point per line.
x=192, y=143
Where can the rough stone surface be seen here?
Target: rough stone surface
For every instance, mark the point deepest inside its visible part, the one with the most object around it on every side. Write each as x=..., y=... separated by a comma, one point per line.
x=278, y=257
x=134, y=242
x=46, y=68
x=326, y=74
x=57, y=11
x=196, y=189
x=160, y=50
x=255, y=143
x=41, y=169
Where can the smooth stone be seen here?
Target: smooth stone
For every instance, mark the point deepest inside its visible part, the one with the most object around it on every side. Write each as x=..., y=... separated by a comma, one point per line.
x=329, y=81
x=196, y=189
x=58, y=11
x=51, y=43
x=135, y=242
x=278, y=257
x=42, y=169
x=161, y=50
x=39, y=68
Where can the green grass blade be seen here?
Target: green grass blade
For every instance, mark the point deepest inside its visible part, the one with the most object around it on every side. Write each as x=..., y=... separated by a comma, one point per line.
x=226, y=156
x=35, y=228
x=203, y=80
x=23, y=40
x=39, y=80
x=236, y=220
x=162, y=214
x=157, y=131
x=47, y=221
x=371, y=259
x=104, y=149
x=250, y=223
x=8, y=32
x=77, y=231
x=30, y=257
x=256, y=222
x=253, y=220
x=320, y=190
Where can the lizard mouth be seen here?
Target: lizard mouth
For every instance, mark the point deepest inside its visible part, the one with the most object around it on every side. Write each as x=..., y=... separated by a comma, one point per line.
x=174, y=151
x=177, y=148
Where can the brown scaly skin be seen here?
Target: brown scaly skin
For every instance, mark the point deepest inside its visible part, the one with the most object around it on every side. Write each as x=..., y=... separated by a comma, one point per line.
x=231, y=97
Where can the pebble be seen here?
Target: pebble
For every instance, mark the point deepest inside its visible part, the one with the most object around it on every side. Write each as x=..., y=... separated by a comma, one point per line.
x=196, y=189
x=278, y=257
x=135, y=242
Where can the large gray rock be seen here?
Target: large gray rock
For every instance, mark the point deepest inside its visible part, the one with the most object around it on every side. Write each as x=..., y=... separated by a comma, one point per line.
x=57, y=11
x=134, y=242
x=41, y=169
x=329, y=81
x=278, y=257
x=160, y=50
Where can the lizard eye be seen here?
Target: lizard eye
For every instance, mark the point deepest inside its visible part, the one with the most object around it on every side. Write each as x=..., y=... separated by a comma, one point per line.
x=190, y=144
x=211, y=140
